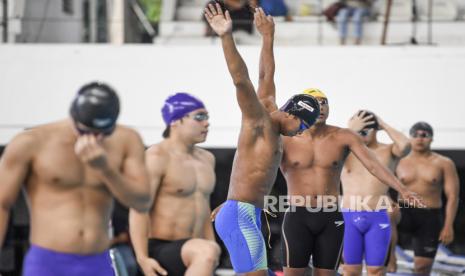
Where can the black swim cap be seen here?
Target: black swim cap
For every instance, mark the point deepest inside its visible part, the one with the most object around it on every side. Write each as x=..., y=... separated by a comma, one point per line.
x=375, y=124
x=96, y=106
x=421, y=126
x=303, y=106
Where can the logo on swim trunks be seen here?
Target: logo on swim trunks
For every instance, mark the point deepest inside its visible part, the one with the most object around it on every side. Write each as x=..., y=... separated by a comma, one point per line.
x=306, y=106
x=429, y=249
x=339, y=223
x=383, y=225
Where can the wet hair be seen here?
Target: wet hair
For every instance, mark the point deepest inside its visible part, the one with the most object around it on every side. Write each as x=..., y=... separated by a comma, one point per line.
x=166, y=132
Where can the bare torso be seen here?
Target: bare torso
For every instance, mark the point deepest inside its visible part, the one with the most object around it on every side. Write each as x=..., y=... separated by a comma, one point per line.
x=357, y=181
x=256, y=162
x=70, y=208
x=312, y=162
x=182, y=204
x=424, y=175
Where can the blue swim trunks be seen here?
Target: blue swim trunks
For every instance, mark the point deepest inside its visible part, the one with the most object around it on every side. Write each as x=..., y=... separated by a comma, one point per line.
x=367, y=233
x=40, y=261
x=239, y=227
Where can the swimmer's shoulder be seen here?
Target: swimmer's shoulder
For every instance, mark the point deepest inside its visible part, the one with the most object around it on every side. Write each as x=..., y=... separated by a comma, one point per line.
x=26, y=143
x=160, y=150
x=158, y=155
x=340, y=131
x=205, y=155
x=442, y=160
x=128, y=133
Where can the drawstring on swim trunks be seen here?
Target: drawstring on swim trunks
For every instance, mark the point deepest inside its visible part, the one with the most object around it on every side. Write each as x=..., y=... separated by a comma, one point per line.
x=268, y=225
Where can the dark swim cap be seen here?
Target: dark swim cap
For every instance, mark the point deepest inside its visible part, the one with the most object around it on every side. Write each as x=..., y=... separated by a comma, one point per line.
x=421, y=126
x=303, y=106
x=96, y=106
x=375, y=124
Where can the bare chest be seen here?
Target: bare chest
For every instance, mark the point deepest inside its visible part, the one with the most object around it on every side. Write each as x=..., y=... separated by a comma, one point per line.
x=59, y=166
x=188, y=176
x=307, y=153
x=411, y=172
x=383, y=154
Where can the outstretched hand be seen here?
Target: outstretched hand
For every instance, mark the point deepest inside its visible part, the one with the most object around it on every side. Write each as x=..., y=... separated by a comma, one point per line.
x=263, y=23
x=220, y=22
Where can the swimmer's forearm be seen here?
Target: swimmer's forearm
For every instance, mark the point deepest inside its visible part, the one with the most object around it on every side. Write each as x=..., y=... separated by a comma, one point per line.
x=267, y=63
x=376, y=168
x=236, y=65
x=138, y=229
x=384, y=175
x=133, y=196
x=4, y=215
x=209, y=233
x=451, y=210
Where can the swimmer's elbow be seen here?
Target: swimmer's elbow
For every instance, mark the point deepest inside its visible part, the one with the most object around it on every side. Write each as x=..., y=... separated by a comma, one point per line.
x=405, y=150
x=372, y=168
x=142, y=203
x=5, y=205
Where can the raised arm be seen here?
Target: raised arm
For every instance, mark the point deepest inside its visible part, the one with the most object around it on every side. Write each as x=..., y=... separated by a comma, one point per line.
x=139, y=222
x=374, y=166
x=14, y=167
x=266, y=85
x=129, y=184
x=248, y=101
x=401, y=146
x=451, y=190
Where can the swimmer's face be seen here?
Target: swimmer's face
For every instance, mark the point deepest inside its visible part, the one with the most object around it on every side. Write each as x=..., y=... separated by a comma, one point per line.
x=84, y=130
x=194, y=125
x=421, y=140
x=324, y=110
x=367, y=135
x=291, y=125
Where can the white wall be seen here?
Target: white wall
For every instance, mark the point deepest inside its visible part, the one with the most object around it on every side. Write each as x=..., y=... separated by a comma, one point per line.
x=403, y=85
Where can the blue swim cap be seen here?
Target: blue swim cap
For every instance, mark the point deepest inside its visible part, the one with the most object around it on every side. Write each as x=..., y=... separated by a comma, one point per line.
x=178, y=105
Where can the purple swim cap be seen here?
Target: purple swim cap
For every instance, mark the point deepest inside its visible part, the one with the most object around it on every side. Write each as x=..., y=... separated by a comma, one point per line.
x=178, y=105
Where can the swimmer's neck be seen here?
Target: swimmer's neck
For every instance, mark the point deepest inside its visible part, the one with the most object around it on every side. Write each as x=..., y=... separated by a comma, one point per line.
x=373, y=143
x=181, y=145
x=317, y=127
x=70, y=124
x=426, y=153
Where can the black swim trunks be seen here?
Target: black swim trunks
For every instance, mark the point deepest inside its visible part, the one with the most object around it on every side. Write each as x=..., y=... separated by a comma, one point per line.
x=425, y=225
x=312, y=233
x=168, y=254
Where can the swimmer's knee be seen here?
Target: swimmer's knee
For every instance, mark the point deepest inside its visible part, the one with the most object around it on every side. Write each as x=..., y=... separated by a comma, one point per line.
x=375, y=270
x=352, y=270
x=202, y=250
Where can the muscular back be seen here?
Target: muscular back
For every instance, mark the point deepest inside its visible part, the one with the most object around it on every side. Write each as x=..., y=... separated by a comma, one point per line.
x=256, y=162
x=181, y=208
x=312, y=162
x=424, y=176
x=70, y=208
x=358, y=181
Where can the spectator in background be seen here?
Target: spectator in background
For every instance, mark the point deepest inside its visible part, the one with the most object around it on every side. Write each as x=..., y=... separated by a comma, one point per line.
x=152, y=10
x=357, y=10
x=275, y=8
x=241, y=12
x=121, y=241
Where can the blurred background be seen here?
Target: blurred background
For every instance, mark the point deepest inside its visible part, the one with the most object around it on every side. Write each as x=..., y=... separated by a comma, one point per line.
x=402, y=59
